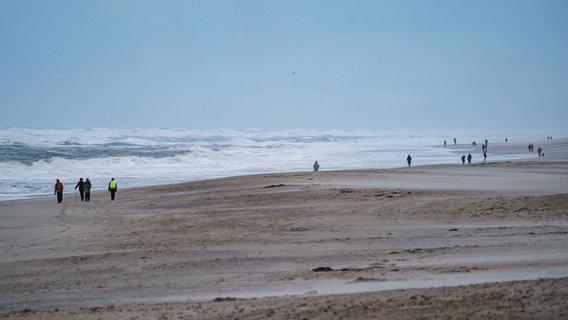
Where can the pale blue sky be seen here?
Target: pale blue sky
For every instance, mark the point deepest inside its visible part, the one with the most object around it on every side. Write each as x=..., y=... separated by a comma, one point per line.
x=310, y=64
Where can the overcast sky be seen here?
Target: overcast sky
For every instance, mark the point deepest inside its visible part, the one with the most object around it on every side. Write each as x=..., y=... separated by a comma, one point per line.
x=285, y=64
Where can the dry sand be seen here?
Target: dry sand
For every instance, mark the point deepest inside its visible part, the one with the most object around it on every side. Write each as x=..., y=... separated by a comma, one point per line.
x=446, y=241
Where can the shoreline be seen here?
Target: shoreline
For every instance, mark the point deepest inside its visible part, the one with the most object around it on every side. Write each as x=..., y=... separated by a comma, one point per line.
x=498, y=152
x=527, y=161
x=236, y=239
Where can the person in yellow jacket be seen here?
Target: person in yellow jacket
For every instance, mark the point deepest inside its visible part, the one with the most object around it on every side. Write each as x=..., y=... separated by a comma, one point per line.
x=58, y=189
x=112, y=186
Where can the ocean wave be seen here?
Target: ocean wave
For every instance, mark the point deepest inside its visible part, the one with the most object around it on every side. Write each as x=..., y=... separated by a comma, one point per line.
x=31, y=159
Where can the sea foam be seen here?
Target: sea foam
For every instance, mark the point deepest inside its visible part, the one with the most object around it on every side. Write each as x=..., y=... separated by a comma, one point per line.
x=31, y=159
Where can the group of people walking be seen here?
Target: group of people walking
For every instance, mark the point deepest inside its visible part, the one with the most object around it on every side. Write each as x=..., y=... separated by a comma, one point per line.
x=84, y=189
x=539, y=150
x=469, y=157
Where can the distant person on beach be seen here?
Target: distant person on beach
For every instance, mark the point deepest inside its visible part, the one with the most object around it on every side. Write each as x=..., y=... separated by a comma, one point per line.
x=539, y=151
x=409, y=160
x=484, y=156
x=455, y=141
x=87, y=190
x=81, y=186
x=463, y=159
x=58, y=189
x=469, y=158
x=112, y=186
x=316, y=166
x=444, y=143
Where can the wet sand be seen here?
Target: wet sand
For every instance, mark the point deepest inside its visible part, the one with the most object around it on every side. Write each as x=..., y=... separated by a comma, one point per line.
x=448, y=241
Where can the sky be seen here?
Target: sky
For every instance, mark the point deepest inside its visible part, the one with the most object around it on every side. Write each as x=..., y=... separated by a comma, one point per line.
x=284, y=64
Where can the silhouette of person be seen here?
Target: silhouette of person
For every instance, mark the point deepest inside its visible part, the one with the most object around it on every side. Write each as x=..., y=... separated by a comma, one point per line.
x=409, y=160
x=81, y=186
x=469, y=158
x=316, y=166
x=463, y=159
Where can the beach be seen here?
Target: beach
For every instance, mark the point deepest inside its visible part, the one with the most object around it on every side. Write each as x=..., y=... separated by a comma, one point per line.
x=478, y=241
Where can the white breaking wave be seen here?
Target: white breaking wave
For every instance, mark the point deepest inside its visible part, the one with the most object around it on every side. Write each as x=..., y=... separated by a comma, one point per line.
x=31, y=159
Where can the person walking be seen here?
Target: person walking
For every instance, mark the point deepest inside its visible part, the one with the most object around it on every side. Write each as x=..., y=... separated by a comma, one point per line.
x=469, y=158
x=112, y=186
x=409, y=160
x=463, y=159
x=316, y=166
x=87, y=190
x=58, y=189
x=81, y=186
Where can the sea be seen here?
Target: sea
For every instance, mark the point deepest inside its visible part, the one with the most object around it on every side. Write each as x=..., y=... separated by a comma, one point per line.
x=31, y=159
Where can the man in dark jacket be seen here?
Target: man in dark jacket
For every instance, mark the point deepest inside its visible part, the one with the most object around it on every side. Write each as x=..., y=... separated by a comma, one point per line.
x=81, y=186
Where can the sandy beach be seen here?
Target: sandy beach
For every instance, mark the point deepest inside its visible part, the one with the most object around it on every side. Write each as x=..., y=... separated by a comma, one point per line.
x=480, y=241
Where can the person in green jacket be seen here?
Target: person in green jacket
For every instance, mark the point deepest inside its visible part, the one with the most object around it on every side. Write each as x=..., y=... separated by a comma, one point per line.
x=112, y=186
